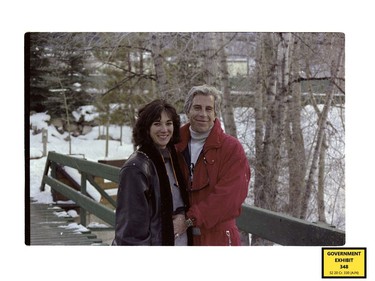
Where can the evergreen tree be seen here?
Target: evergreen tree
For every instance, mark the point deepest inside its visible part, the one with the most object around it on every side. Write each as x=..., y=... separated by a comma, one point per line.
x=39, y=72
x=59, y=62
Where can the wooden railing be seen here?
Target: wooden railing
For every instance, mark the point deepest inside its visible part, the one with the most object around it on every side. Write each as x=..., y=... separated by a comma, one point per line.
x=278, y=228
x=88, y=171
x=286, y=230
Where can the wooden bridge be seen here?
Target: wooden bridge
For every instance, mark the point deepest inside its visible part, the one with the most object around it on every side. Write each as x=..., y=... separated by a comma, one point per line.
x=45, y=225
x=50, y=225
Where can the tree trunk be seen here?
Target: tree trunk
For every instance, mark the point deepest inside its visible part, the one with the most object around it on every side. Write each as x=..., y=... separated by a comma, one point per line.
x=68, y=122
x=276, y=118
x=107, y=134
x=67, y=115
x=335, y=69
x=259, y=191
x=209, y=58
x=227, y=109
x=161, y=76
x=295, y=144
x=259, y=120
x=274, y=53
x=320, y=199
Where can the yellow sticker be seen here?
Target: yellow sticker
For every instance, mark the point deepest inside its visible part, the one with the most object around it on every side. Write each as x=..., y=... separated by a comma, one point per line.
x=344, y=262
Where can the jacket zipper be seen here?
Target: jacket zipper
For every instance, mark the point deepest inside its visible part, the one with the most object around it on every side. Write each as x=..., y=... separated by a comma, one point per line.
x=229, y=239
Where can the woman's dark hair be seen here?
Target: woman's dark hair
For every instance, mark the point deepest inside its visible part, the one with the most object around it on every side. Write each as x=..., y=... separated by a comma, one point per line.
x=150, y=113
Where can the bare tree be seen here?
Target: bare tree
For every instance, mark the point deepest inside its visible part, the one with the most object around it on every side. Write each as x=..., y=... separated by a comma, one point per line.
x=273, y=112
x=161, y=76
x=273, y=57
x=227, y=108
x=295, y=143
x=336, y=68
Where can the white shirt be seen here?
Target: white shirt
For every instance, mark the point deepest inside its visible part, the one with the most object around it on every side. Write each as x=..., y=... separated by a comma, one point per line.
x=196, y=144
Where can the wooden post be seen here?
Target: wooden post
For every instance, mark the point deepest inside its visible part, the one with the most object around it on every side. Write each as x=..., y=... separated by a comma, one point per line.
x=83, y=212
x=45, y=141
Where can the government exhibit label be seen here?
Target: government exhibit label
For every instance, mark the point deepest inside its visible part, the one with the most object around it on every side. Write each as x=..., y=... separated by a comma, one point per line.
x=343, y=262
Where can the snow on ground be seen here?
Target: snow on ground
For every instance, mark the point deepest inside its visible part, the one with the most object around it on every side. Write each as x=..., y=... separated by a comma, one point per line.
x=86, y=146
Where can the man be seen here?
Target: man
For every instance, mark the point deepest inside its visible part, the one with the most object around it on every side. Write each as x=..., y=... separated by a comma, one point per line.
x=219, y=171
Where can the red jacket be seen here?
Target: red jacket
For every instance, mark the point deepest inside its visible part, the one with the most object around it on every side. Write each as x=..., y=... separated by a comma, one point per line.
x=220, y=186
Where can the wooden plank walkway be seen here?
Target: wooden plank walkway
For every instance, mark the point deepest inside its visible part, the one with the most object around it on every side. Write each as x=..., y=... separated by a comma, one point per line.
x=48, y=228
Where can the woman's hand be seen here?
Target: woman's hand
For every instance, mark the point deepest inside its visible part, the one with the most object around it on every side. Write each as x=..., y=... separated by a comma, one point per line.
x=179, y=225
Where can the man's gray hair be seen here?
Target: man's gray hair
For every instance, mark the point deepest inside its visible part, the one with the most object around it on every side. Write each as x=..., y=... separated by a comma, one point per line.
x=204, y=90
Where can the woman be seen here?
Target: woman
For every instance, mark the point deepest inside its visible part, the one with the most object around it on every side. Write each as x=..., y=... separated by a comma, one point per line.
x=152, y=198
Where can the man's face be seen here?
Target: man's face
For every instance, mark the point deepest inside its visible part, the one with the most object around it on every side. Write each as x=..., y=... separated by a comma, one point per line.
x=202, y=114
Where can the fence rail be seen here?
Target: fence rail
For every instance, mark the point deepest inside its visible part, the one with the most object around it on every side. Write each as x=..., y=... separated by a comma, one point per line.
x=286, y=230
x=275, y=227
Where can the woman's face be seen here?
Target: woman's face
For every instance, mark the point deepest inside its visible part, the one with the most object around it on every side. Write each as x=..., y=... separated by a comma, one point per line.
x=161, y=131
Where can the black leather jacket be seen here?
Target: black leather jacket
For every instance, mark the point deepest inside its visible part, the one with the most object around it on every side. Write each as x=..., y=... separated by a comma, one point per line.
x=144, y=200
x=138, y=220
